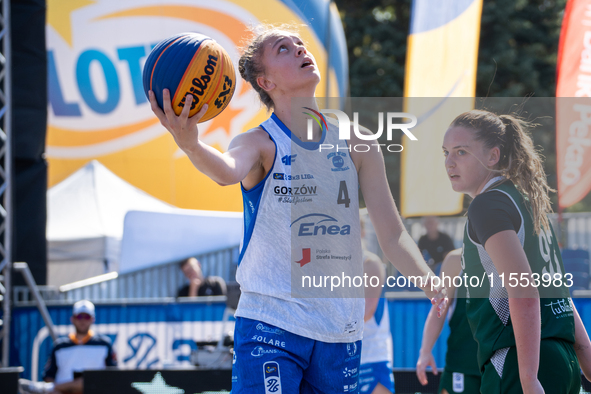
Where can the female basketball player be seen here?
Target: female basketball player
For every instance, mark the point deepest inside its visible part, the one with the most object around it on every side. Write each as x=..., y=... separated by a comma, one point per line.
x=284, y=343
x=529, y=336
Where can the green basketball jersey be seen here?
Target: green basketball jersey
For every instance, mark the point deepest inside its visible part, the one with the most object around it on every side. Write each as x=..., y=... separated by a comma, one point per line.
x=487, y=305
x=461, y=346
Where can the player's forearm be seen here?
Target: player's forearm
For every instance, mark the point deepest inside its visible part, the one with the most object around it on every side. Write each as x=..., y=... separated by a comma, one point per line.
x=404, y=254
x=211, y=162
x=526, y=320
x=431, y=331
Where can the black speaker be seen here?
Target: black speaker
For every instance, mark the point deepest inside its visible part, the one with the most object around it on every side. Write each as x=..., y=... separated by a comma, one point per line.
x=29, y=124
x=406, y=382
x=9, y=379
x=585, y=385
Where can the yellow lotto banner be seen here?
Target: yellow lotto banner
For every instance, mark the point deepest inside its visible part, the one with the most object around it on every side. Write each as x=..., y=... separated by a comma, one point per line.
x=441, y=64
x=97, y=107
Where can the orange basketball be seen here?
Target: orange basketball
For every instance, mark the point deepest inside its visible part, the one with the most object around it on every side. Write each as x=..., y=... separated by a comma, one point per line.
x=191, y=63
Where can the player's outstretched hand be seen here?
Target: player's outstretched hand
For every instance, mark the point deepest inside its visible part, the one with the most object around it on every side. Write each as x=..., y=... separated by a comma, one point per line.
x=425, y=360
x=182, y=127
x=439, y=299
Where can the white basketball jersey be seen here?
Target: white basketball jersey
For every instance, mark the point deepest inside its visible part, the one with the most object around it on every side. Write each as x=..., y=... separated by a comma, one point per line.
x=302, y=226
x=377, y=338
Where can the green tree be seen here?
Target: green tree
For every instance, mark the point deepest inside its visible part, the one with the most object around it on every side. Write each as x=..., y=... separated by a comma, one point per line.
x=518, y=48
x=376, y=32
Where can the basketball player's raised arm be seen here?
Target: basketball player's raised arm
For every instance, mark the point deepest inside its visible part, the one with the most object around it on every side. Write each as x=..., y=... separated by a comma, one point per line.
x=244, y=152
x=396, y=243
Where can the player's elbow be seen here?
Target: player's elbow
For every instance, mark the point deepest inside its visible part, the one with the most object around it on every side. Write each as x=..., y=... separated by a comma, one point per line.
x=225, y=182
x=227, y=179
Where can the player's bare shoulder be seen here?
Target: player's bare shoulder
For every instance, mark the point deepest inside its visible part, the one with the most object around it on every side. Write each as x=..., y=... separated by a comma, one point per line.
x=360, y=149
x=257, y=138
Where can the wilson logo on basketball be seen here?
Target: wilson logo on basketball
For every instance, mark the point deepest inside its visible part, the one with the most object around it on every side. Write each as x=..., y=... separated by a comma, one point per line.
x=200, y=83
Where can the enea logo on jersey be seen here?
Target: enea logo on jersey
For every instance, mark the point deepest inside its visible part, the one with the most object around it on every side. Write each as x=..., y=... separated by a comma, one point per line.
x=272, y=377
x=319, y=224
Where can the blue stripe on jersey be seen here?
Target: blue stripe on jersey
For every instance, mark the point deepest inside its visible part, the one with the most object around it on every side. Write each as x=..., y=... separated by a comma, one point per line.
x=251, y=200
x=379, y=311
x=310, y=145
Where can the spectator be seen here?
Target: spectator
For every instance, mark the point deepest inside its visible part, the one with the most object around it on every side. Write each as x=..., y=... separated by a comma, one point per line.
x=198, y=284
x=434, y=245
x=72, y=355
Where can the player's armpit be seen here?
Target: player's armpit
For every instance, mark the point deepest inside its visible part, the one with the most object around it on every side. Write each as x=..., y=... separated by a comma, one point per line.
x=250, y=156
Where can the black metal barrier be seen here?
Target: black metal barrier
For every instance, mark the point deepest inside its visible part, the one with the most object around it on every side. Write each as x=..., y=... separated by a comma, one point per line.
x=196, y=381
x=192, y=381
x=406, y=382
x=200, y=381
x=9, y=380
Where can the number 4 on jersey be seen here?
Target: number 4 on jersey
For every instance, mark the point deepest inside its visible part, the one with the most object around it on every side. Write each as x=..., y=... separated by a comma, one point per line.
x=343, y=196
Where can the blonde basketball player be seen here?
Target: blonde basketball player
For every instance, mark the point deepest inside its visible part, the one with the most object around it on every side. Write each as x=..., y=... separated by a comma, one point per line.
x=285, y=344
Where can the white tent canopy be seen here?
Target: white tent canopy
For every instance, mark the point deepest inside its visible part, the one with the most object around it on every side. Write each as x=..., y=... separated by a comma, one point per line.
x=93, y=210
x=152, y=238
x=85, y=219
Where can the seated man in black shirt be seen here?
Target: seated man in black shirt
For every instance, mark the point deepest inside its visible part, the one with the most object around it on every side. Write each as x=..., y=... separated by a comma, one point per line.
x=198, y=284
x=434, y=245
x=71, y=355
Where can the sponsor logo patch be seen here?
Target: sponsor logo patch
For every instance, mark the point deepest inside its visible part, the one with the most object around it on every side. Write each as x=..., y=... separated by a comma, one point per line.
x=270, y=330
x=272, y=377
x=258, y=351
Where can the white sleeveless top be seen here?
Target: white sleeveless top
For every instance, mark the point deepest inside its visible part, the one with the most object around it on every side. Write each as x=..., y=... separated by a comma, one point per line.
x=377, y=338
x=301, y=226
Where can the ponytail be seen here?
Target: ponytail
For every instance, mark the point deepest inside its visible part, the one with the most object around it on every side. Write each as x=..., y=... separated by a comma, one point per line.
x=525, y=169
